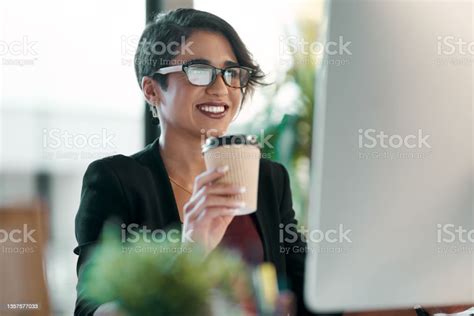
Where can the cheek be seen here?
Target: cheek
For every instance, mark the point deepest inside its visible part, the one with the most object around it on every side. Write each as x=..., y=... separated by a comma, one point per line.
x=181, y=96
x=236, y=99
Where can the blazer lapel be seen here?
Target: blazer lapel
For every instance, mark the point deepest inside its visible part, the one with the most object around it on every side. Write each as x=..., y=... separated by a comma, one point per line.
x=168, y=213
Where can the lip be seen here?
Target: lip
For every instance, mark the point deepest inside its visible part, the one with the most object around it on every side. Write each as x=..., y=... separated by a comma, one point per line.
x=213, y=103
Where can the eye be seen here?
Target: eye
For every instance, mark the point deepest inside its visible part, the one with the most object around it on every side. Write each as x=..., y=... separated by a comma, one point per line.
x=233, y=72
x=199, y=74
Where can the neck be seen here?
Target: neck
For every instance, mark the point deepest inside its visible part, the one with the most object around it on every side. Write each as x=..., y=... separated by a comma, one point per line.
x=182, y=156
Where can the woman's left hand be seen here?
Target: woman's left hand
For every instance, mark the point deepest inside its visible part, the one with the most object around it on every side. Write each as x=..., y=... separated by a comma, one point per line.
x=411, y=312
x=447, y=309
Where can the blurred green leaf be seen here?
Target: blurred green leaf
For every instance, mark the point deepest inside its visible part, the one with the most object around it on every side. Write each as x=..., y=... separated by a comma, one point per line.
x=165, y=278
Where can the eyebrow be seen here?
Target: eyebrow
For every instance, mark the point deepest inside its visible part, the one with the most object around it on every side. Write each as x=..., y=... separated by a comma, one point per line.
x=227, y=63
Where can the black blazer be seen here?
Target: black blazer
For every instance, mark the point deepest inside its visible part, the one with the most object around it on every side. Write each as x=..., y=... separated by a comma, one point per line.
x=136, y=189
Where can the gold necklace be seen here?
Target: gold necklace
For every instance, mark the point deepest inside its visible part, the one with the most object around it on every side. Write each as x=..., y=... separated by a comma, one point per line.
x=179, y=185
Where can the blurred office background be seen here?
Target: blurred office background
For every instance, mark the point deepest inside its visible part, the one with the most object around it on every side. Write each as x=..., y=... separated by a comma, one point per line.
x=69, y=96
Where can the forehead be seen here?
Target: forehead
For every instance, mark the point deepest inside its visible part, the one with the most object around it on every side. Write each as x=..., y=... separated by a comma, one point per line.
x=204, y=45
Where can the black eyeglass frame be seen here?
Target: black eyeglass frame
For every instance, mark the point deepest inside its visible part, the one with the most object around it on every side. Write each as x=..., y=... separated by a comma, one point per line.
x=215, y=71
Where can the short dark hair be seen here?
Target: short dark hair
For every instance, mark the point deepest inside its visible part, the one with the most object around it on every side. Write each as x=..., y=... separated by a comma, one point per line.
x=172, y=27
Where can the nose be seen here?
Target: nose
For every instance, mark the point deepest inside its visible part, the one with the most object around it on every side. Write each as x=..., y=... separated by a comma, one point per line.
x=218, y=87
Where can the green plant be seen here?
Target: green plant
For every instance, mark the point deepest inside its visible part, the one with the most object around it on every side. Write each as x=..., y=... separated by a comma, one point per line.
x=291, y=128
x=148, y=278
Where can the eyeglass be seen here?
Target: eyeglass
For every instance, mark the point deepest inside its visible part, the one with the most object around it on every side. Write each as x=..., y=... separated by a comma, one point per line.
x=200, y=74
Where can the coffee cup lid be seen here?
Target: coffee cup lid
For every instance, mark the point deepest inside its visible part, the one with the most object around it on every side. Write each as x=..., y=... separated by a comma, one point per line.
x=229, y=140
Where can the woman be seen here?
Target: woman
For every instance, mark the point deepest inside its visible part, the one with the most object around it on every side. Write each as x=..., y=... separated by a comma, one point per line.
x=195, y=86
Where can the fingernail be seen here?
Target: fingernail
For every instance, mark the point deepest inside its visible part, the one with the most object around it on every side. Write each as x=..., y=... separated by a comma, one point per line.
x=235, y=211
x=242, y=189
x=223, y=169
x=242, y=204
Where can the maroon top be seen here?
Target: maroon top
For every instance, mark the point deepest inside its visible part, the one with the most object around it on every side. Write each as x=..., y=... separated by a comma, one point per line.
x=242, y=235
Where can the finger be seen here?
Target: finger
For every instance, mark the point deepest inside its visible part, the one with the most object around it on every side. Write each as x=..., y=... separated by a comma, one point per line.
x=211, y=201
x=215, y=189
x=211, y=213
x=202, y=181
x=209, y=176
x=222, y=189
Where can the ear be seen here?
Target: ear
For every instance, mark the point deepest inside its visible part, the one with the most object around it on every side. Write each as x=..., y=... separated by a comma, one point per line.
x=151, y=90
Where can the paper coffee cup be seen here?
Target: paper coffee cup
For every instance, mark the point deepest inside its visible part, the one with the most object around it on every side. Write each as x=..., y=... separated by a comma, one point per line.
x=242, y=154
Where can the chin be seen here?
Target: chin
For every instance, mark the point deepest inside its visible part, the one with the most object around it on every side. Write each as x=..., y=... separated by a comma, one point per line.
x=215, y=129
x=212, y=131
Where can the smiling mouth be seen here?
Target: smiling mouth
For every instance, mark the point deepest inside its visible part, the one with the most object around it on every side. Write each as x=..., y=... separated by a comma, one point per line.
x=215, y=110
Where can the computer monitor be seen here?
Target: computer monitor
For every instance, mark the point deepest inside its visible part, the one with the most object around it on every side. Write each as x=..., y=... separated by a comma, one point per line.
x=391, y=221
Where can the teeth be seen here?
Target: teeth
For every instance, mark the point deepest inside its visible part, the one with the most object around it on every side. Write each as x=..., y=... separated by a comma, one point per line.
x=212, y=108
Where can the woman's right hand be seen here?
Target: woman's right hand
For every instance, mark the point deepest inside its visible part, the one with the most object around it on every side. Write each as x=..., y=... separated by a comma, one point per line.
x=210, y=209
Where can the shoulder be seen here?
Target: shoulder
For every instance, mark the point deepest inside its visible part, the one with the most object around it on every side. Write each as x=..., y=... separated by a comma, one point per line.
x=272, y=169
x=274, y=175
x=121, y=165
